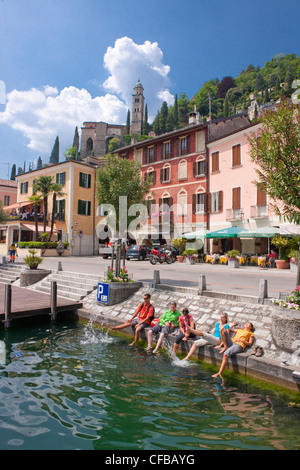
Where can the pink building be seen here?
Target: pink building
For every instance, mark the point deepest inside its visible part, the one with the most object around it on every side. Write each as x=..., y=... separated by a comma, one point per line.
x=234, y=198
x=8, y=192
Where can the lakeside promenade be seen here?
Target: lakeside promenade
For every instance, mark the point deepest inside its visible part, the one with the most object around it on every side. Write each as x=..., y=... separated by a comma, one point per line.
x=242, y=281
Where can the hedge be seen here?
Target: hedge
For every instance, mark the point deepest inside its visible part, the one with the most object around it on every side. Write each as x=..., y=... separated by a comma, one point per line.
x=40, y=245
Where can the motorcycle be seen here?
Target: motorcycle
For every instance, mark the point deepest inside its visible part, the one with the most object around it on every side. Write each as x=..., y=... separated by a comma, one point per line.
x=161, y=256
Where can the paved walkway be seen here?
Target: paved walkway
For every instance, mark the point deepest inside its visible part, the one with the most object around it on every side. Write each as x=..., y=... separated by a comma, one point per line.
x=244, y=280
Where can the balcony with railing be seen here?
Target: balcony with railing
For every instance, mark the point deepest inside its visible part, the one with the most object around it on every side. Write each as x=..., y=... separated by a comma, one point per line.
x=233, y=215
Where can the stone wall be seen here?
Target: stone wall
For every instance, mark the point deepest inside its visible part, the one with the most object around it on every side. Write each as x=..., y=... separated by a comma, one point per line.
x=276, y=365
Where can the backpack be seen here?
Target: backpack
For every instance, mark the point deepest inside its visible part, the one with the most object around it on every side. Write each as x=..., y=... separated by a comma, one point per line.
x=152, y=316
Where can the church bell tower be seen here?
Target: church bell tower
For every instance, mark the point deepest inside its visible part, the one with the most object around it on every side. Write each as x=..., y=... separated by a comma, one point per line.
x=137, y=109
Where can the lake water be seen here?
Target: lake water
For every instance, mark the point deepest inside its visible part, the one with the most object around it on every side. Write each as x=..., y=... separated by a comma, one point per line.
x=70, y=386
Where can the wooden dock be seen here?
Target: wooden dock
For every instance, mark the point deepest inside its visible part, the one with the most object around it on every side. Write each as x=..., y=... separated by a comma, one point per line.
x=19, y=302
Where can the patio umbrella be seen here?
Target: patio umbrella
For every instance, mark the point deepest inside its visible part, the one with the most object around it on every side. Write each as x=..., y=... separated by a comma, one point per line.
x=262, y=232
x=196, y=234
x=229, y=232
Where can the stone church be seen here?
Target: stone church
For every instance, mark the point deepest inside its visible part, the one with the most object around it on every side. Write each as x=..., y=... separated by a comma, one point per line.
x=95, y=136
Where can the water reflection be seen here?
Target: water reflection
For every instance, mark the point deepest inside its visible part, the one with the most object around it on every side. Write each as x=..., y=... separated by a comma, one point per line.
x=67, y=386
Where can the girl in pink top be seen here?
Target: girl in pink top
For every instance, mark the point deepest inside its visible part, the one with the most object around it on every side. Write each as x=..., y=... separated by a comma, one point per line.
x=183, y=335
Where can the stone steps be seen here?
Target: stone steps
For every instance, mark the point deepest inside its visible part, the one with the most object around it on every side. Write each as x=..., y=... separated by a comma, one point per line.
x=70, y=285
x=9, y=273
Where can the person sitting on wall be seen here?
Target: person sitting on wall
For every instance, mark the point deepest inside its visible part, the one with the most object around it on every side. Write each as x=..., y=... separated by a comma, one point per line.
x=167, y=323
x=243, y=337
x=185, y=321
x=146, y=313
x=213, y=338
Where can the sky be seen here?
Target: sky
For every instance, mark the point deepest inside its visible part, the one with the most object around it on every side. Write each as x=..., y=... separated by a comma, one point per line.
x=64, y=62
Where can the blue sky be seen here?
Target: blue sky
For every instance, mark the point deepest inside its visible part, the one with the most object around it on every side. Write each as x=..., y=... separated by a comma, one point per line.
x=64, y=62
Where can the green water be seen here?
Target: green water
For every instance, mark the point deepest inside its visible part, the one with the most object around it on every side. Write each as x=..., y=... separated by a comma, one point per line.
x=70, y=386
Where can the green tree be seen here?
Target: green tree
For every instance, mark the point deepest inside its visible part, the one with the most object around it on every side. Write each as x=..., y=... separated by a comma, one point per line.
x=145, y=124
x=128, y=123
x=163, y=116
x=176, y=120
x=54, y=157
x=2, y=213
x=56, y=190
x=36, y=199
x=43, y=186
x=277, y=153
x=13, y=172
x=121, y=177
x=114, y=144
x=76, y=142
x=39, y=163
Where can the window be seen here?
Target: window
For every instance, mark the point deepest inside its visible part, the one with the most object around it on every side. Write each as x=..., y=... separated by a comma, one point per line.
x=60, y=209
x=199, y=167
x=236, y=155
x=215, y=162
x=6, y=200
x=182, y=203
x=151, y=175
x=167, y=150
x=150, y=155
x=165, y=174
x=184, y=145
x=84, y=180
x=182, y=170
x=84, y=207
x=61, y=178
x=89, y=145
x=215, y=202
x=200, y=201
x=24, y=188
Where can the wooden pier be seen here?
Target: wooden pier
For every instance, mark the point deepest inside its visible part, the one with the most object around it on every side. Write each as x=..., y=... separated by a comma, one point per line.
x=19, y=302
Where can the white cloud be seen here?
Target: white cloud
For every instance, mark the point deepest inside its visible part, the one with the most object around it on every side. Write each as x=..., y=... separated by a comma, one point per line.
x=42, y=114
x=129, y=62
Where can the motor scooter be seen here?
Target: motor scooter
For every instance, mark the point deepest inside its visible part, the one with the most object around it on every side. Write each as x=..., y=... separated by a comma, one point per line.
x=160, y=256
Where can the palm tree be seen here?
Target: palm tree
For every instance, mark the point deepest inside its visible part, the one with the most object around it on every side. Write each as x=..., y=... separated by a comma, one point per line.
x=43, y=186
x=56, y=190
x=36, y=199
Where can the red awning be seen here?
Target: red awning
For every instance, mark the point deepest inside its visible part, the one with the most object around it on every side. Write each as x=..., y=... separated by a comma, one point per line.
x=40, y=228
x=17, y=205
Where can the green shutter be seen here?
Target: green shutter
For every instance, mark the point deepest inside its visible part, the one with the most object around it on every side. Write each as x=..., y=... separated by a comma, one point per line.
x=80, y=179
x=89, y=208
x=63, y=178
x=89, y=181
x=21, y=188
x=57, y=177
x=79, y=206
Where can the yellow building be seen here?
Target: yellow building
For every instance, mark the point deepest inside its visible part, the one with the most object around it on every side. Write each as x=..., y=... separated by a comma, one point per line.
x=75, y=210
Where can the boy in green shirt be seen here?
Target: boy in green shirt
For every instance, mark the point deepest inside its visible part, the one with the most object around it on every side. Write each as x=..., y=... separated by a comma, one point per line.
x=168, y=321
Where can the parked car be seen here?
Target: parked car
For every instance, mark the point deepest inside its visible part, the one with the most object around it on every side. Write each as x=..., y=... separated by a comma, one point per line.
x=139, y=252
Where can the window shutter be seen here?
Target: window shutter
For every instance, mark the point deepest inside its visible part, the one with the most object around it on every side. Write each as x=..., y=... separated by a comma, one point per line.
x=236, y=198
x=89, y=181
x=236, y=155
x=209, y=202
x=161, y=175
x=89, y=208
x=57, y=178
x=194, y=168
x=63, y=205
x=188, y=141
x=261, y=195
x=215, y=162
x=220, y=201
x=63, y=178
x=80, y=179
x=79, y=206
x=194, y=203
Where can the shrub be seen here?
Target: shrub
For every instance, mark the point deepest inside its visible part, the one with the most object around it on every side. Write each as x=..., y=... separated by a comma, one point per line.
x=232, y=254
x=32, y=260
x=40, y=245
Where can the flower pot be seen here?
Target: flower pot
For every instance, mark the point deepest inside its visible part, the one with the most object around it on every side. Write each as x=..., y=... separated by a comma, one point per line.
x=190, y=260
x=282, y=264
x=233, y=263
x=120, y=291
x=180, y=258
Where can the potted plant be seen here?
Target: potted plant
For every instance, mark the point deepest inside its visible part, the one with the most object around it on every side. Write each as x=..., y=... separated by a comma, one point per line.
x=233, y=261
x=191, y=256
x=294, y=259
x=179, y=243
x=32, y=260
x=283, y=245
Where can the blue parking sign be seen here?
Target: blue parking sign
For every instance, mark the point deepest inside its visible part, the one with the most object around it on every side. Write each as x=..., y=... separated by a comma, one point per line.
x=103, y=292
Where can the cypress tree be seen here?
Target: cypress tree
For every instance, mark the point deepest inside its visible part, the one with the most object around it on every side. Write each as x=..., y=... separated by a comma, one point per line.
x=54, y=157
x=145, y=125
x=13, y=172
x=39, y=163
x=128, y=123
